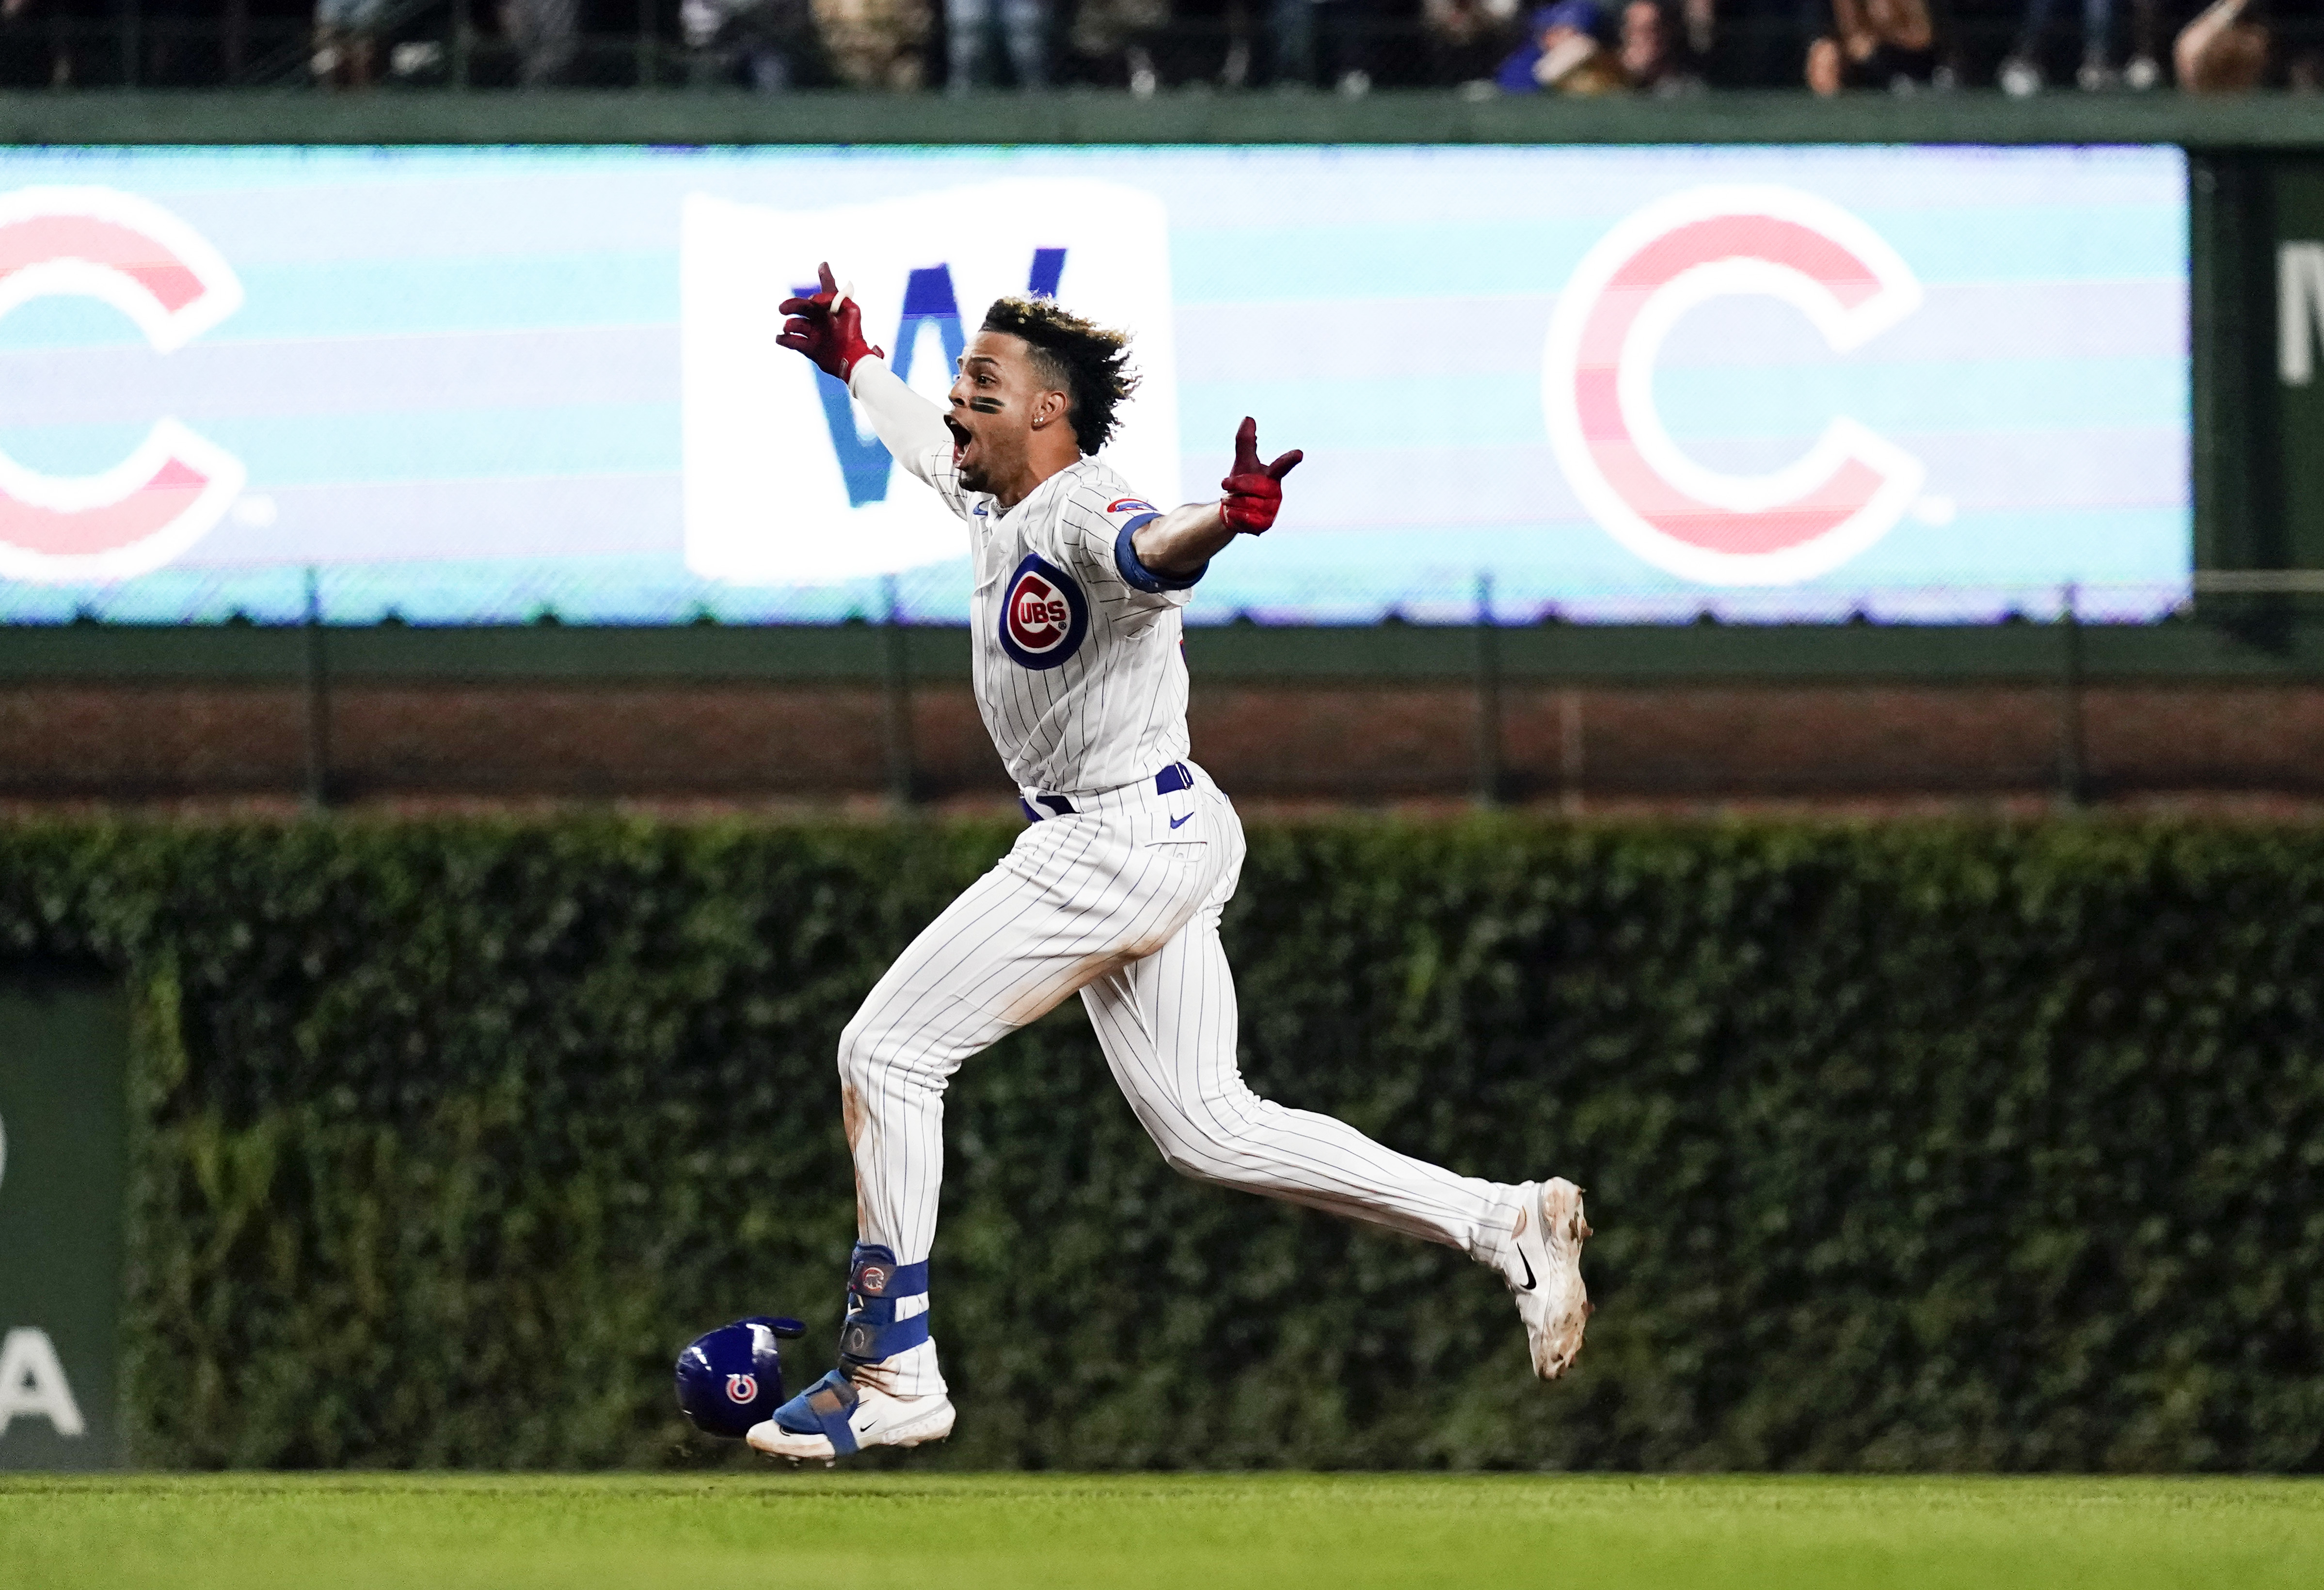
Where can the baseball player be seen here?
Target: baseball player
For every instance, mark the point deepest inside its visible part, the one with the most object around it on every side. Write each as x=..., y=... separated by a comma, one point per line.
x=1114, y=890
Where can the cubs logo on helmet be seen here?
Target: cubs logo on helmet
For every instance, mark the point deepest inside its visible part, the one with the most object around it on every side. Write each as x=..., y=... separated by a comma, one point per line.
x=1044, y=616
x=732, y=1378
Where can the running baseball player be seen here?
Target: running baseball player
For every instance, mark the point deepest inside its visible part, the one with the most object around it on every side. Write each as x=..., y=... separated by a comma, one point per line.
x=1114, y=890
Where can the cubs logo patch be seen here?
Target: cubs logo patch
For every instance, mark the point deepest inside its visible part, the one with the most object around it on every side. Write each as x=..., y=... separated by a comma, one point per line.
x=742, y=1388
x=1131, y=505
x=1044, y=616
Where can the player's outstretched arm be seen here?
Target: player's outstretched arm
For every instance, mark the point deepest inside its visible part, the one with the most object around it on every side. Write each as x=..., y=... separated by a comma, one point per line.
x=1184, y=540
x=828, y=327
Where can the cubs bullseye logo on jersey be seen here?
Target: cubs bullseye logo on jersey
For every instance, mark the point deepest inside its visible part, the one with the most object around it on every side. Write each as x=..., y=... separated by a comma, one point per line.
x=1598, y=386
x=1044, y=616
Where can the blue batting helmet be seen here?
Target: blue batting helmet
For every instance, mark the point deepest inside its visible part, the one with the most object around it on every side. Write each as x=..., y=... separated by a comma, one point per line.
x=732, y=1378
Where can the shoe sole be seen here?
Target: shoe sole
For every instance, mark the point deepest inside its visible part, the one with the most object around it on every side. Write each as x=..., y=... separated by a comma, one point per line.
x=1563, y=1230
x=932, y=1426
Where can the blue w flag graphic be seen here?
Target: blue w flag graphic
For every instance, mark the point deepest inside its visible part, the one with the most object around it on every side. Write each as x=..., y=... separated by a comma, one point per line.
x=928, y=300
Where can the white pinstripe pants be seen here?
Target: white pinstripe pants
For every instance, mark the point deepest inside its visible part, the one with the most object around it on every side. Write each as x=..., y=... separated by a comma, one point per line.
x=1119, y=901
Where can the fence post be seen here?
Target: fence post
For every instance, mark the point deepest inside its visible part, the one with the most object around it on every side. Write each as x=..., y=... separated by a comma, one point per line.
x=319, y=701
x=2070, y=776
x=1570, y=766
x=896, y=679
x=1491, y=780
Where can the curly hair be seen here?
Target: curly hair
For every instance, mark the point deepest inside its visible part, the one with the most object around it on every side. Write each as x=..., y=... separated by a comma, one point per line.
x=1089, y=363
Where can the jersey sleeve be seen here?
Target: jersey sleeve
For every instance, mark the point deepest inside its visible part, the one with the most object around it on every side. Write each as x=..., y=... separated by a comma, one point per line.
x=1094, y=527
x=910, y=428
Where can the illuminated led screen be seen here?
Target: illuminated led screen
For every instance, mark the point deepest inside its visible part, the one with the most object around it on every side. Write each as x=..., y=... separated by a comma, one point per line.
x=474, y=385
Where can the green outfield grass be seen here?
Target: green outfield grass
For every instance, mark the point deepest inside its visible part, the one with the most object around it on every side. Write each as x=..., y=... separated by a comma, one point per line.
x=1212, y=1532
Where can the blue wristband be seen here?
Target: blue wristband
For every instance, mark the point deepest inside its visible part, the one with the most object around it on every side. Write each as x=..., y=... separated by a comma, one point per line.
x=1125, y=559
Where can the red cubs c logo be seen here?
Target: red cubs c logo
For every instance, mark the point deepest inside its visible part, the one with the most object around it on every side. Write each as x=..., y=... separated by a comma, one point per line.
x=131, y=253
x=1598, y=386
x=1044, y=616
x=1038, y=615
x=742, y=1388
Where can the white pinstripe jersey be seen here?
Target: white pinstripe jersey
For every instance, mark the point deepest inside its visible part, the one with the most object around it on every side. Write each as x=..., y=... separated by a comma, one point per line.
x=1079, y=674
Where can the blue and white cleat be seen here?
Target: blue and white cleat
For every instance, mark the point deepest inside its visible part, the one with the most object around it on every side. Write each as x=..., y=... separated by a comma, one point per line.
x=1545, y=1273
x=836, y=1417
x=850, y=1408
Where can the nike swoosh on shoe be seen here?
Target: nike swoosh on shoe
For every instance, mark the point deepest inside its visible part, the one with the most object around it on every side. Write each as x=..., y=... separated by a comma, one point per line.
x=1553, y=1302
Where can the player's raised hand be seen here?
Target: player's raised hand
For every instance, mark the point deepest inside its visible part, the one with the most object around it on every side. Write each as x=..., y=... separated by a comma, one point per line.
x=1254, y=491
x=828, y=327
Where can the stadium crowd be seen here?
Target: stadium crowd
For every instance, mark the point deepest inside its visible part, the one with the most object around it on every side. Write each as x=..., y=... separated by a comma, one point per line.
x=1482, y=47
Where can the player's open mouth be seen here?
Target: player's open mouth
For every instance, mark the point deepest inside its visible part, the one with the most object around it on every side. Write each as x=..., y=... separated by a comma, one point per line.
x=960, y=438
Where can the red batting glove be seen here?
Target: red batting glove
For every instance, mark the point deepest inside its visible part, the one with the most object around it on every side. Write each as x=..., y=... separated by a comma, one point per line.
x=1254, y=491
x=827, y=328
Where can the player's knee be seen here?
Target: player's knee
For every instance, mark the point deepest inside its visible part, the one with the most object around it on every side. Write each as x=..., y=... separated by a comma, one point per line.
x=1203, y=1150
x=1189, y=1160
x=860, y=1049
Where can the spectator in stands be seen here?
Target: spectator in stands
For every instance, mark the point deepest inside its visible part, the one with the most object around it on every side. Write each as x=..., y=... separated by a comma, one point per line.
x=873, y=44
x=1655, y=57
x=346, y=41
x=24, y=62
x=1466, y=38
x=1286, y=43
x=1292, y=24
x=1308, y=42
x=2020, y=74
x=1561, y=53
x=1024, y=27
x=768, y=45
x=56, y=41
x=1702, y=28
x=2224, y=50
x=545, y=33
x=1346, y=31
x=1874, y=44
x=177, y=43
x=1108, y=31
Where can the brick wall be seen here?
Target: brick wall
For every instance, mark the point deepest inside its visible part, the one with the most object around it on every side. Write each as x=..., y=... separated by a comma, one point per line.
x=754, y=743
